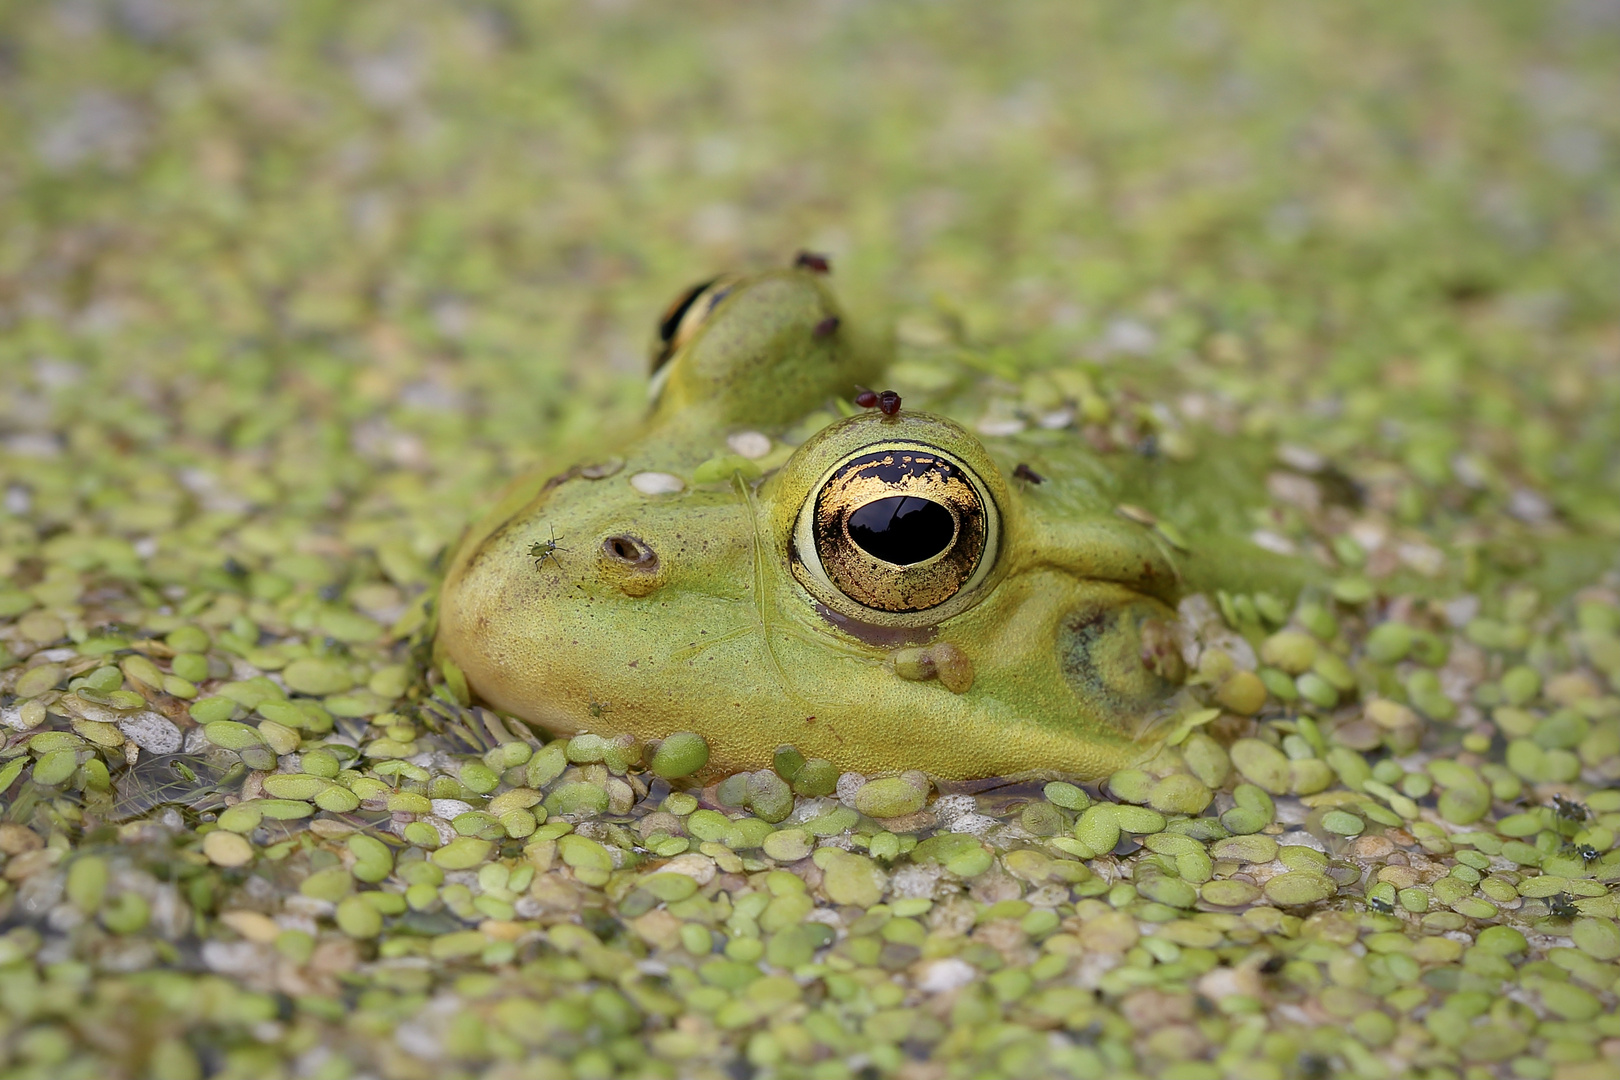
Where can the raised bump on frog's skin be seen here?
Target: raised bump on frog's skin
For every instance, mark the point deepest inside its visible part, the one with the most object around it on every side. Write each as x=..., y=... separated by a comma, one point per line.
x=657, y=483
x=601, y=470
x=942, y=661
x=752, y=445
x=1136, y=514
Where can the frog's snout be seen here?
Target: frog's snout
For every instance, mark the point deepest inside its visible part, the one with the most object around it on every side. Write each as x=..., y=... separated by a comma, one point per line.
x=630, y=564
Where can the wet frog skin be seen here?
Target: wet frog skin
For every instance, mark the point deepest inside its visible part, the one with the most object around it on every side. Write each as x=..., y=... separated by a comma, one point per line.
x=884, y=589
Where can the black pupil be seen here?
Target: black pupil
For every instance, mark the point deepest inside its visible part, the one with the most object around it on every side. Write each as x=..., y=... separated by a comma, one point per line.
x=902, y=529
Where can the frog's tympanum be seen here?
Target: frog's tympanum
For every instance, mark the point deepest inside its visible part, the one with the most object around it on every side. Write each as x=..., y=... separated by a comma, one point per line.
x=882, y=589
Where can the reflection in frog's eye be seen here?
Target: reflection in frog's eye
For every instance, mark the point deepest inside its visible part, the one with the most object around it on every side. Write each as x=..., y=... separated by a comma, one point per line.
x=683, y=317
x=898, y=530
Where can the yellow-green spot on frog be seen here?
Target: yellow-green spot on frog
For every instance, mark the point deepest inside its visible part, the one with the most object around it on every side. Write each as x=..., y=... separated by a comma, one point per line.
x=883, y=589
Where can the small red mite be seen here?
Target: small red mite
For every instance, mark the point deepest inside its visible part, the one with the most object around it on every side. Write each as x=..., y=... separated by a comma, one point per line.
x=816, y=264
x=888, y=403
x=826, y=327
x=866, y=399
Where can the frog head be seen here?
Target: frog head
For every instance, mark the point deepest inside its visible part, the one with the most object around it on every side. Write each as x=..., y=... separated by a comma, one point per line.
x=878, y=589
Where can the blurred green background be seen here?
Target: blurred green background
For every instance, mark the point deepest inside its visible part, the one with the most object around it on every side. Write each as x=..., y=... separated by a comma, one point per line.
x=356, y=262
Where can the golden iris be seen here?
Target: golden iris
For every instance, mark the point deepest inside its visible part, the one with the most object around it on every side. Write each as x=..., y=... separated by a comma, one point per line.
x=900, y=529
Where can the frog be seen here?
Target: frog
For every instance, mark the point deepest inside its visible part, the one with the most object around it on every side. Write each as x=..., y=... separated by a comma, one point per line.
x=781, y=556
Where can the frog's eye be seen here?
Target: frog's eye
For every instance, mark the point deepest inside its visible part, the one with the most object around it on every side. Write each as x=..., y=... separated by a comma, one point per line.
x=899, y=530
x=683, y=317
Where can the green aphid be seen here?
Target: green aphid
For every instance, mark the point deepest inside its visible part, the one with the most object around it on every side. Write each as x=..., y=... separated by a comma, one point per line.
x=541, y=550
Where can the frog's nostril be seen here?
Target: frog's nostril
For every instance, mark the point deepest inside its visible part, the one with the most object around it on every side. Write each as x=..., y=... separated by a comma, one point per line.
x=630, y=551
x=631, y=565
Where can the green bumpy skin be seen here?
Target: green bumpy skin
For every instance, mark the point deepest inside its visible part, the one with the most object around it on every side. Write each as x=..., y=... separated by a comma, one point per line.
x=681, y=586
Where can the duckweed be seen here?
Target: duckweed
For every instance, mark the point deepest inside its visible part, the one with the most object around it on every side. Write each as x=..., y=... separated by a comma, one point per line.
x=1263, y=765
x=1180, y=794
x=1299, y=887
x=246, y=828
x=890, y=797
x=681, y=754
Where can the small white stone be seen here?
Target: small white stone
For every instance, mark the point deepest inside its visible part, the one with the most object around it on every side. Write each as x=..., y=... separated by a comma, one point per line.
x=752, y=445
x=447, y=832
x=12, y=717
x=152, y=732
x=945, y=975
x=950, y=807
x=1371, y=535
x=657, y=483
x=998, y=426
x=300, y=912
x=1273, y=542
x=1461, y=611
x=911, y=881
x=1529, y=506
x=973, y=824
x=450, y=809
x=1298, y=457
x=418, y=1043
x=1128, y=337
x=236, y=957
x=1426, y=560
x=1225, y=982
